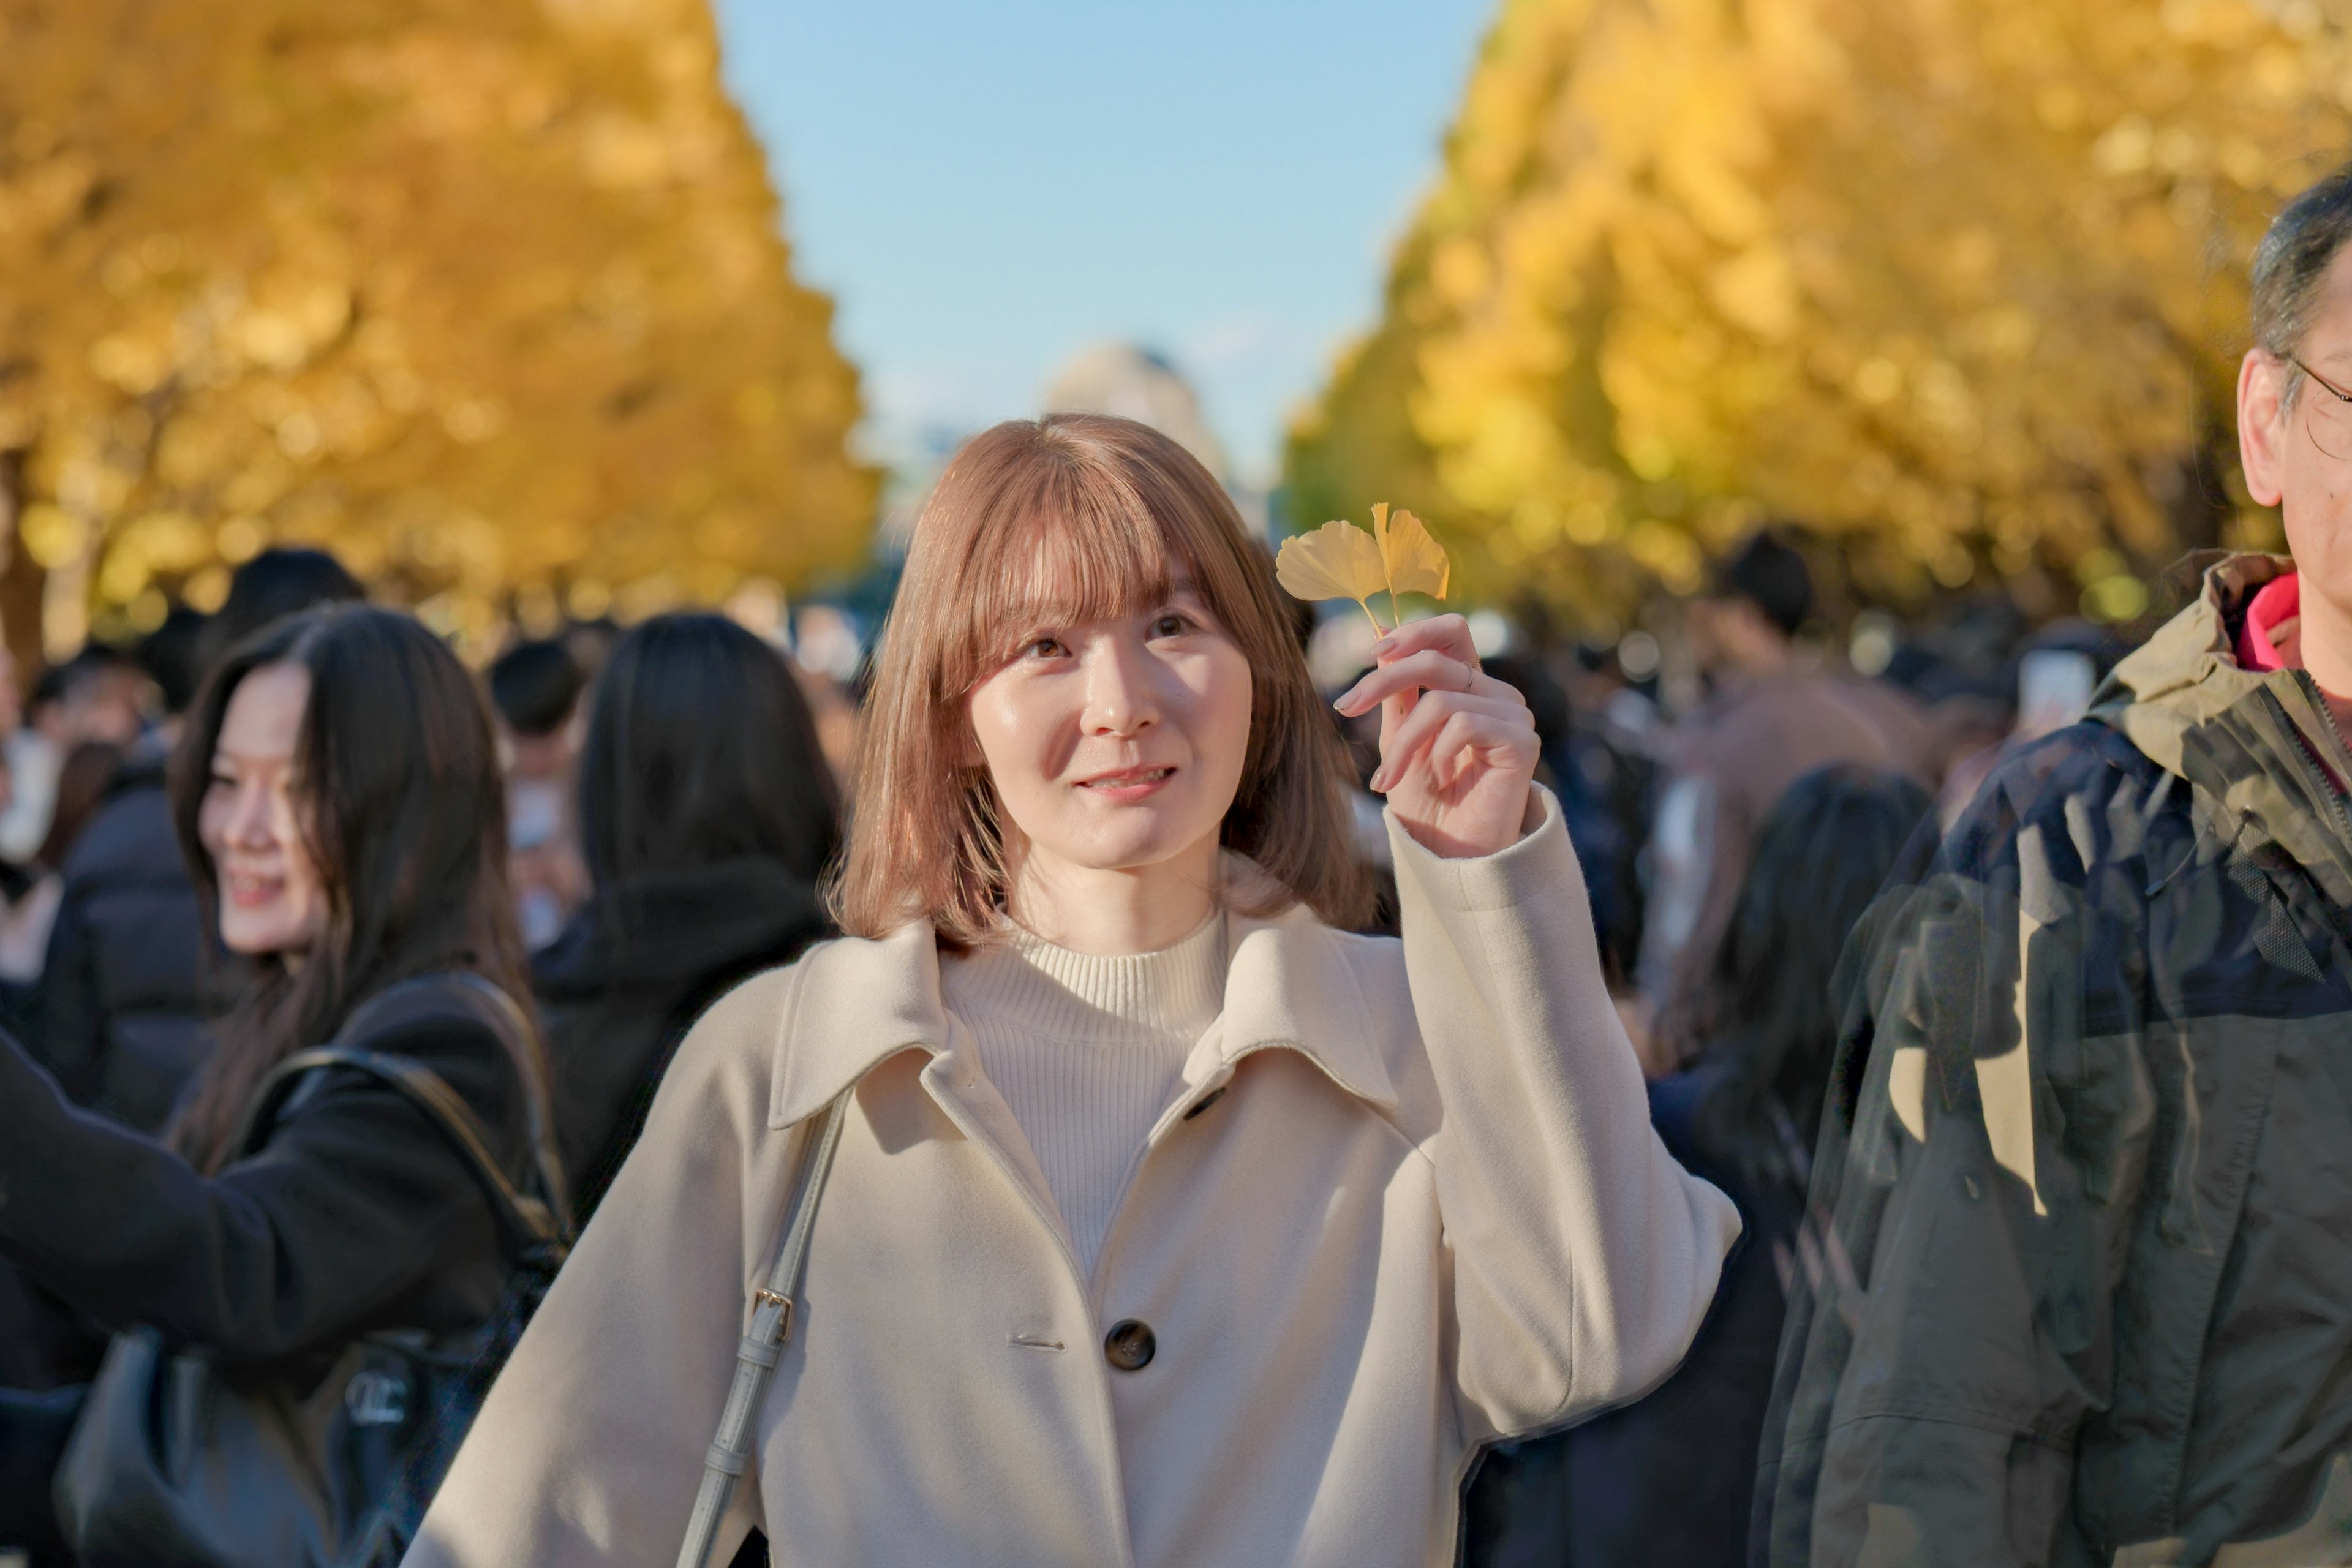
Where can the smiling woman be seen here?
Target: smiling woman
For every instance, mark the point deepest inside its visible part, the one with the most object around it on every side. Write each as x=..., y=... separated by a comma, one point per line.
x=337, y=794
x=1117, y=744
x=1057, y=561
x=250, y=826
x=1168, y=1222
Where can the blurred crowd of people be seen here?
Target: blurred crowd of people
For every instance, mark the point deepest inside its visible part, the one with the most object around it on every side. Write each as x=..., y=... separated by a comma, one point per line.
x=670, y=808
x=671, y=811
x=1996, y=972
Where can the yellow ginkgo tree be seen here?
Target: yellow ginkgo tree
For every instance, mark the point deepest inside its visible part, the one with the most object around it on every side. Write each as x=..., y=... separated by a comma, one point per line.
x=489, y=296
x=1959, y=284
x=1341, y=561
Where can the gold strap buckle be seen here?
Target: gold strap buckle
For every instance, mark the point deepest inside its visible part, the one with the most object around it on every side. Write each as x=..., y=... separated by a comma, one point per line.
x=763, y=1297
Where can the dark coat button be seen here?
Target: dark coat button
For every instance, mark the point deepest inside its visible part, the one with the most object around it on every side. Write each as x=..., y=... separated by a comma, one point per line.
x=1130, y=1345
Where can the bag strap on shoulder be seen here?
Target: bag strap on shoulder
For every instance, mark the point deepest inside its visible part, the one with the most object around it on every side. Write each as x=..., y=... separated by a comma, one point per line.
x=541, y=1221
x=532, y=1221
x=763, y=1344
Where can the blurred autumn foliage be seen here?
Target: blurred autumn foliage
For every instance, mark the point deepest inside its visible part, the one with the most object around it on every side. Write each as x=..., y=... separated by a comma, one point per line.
x=488, y=295
x=1958, y=283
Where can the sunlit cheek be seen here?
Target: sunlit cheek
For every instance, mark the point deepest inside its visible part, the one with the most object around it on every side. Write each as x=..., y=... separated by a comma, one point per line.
x=1031, y=729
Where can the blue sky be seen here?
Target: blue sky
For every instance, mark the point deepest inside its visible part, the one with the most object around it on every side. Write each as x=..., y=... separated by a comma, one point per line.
x=986, y=188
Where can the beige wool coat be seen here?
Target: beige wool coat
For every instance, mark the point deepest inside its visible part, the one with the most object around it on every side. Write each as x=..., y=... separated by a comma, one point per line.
x=1408, y=1200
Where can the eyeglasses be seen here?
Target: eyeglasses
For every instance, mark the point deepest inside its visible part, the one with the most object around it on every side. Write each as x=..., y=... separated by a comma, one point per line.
x=2331, y=417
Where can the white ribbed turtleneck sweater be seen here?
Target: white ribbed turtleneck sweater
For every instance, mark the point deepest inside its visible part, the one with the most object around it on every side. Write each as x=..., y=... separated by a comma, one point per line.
x=1088, y=1052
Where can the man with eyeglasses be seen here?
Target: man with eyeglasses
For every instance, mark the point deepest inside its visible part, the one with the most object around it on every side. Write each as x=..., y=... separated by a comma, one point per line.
x=2081, y=1290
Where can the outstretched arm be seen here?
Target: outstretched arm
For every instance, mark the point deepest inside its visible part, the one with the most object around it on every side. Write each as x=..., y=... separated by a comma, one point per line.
x=355, y=1213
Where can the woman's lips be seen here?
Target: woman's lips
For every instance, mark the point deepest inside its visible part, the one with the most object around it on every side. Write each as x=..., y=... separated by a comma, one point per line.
x=247, y=893
x=1127, y=784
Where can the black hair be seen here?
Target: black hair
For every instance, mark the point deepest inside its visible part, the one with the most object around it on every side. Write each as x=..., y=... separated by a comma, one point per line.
x=1770, y=574
x=534, y=686
x=2294, y=254
x=280, y=582
x=172, y=654
x=49, y=689
x=90, y=664
x=405, y=814
x=701, y=749
x=60, y=680
x=1822, y=856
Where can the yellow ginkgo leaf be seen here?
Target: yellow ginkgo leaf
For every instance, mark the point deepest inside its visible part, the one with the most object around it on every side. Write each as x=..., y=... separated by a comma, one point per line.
x=1414, y=562
x=1337, y=560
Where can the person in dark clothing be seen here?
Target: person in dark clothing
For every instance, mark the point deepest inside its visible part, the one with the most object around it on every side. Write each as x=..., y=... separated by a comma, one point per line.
x=43, y=1342
x=120, y=1016
x=708, y=816
x=535, y=689
x=29, y=894
x=338, y=795
x=1772, y=716
x=173, y=654
x=1667, y=1482
x=2088, y=1189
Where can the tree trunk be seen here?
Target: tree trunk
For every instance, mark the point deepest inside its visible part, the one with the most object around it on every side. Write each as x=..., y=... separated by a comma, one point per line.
x=21, y=580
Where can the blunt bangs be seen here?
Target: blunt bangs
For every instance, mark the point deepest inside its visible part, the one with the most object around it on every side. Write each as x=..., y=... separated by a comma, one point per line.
x=1073, y=545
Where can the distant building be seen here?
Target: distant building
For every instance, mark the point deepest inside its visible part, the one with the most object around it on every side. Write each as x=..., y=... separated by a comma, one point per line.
x=1136, y=383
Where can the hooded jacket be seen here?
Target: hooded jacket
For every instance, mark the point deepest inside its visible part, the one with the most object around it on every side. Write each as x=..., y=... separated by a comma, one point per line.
x=1407, y=1199
x=2084, y=1292
x=119, y=1014
x=632, y=968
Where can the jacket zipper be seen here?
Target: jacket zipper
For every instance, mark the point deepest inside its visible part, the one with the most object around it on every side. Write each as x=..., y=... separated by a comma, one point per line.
x=2327, y=785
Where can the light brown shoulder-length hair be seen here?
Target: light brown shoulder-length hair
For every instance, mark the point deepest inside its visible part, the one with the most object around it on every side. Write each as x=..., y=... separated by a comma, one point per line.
x=1063, y=520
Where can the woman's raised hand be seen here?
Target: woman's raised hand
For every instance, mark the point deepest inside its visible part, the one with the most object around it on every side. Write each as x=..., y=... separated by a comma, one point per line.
x=1457, y=746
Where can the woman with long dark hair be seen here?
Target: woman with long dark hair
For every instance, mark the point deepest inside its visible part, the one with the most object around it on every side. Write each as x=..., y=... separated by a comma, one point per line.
x=707, y=816
x=337, y=794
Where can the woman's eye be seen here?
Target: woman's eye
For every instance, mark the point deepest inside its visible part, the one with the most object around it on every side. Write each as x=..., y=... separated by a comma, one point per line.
x=1043, y=647
x=1171, y=625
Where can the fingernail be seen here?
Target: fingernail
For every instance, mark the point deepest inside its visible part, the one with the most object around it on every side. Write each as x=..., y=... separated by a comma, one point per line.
x=1385, y=643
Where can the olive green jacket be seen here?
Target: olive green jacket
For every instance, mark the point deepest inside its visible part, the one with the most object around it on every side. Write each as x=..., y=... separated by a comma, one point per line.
x=2082, y=1273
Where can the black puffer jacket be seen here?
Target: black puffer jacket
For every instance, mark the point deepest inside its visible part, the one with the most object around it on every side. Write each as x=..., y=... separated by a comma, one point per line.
x=636, y=965
x=120, y=1016
x=355, y=1213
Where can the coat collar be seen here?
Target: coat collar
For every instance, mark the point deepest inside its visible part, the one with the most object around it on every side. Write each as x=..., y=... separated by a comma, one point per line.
x=2241, y=738
x=1291, y=983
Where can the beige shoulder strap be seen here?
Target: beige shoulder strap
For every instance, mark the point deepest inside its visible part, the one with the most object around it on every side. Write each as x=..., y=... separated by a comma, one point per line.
x=762, y=1346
